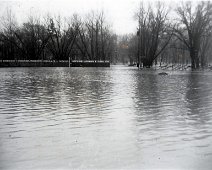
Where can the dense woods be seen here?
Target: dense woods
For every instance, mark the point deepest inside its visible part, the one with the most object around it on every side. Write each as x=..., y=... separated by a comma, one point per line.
x=164, y=35
x=180, y=35
x=57, y=38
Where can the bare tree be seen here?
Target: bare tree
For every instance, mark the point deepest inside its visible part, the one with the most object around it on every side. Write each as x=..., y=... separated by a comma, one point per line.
x=29, y=40
x=195, y=22
x=205, y=46
x=33, y=38
x=94, y=37
x=154, y=32
x=62, y=37
x=7, y=38
x=82, y=40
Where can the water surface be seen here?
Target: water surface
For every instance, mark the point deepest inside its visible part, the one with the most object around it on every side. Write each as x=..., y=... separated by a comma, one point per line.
x=105, y=118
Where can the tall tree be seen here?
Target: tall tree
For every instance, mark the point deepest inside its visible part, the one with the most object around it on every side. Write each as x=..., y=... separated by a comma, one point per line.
x=8, y=48
x=95, y=38
x=62, y=37
x=154, y=32
x=194, y=23
x=29, y=40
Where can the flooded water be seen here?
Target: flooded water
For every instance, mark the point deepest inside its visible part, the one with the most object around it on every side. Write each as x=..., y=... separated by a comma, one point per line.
x=105, y=118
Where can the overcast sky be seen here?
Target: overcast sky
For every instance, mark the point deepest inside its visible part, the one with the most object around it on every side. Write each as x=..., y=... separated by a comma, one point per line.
x=118, y=12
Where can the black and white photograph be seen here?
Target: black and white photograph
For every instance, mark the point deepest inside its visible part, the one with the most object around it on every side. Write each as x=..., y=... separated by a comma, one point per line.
x=105, y=84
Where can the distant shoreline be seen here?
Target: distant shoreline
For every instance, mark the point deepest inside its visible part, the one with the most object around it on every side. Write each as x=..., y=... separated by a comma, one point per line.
x=53, y=63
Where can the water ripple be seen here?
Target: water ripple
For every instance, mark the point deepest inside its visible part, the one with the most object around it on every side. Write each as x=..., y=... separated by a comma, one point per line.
x=116, y=117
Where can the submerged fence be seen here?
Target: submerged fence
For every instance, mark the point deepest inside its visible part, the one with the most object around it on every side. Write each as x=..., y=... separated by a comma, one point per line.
x=53, y=63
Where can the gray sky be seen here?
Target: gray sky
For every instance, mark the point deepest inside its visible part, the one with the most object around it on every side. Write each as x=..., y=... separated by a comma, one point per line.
x=119, y=13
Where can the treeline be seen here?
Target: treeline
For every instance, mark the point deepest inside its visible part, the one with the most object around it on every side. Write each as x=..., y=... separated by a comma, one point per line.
x=181, y=34
x=56, y=38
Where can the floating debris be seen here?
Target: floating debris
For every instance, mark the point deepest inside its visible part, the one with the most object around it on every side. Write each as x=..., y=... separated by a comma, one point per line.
x=163, y=74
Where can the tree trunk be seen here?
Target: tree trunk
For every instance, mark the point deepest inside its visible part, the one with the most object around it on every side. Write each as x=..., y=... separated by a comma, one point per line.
x=197, y=62
x=192, y=63
x=203, y=61
x=147, y=63
x=194, y=59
